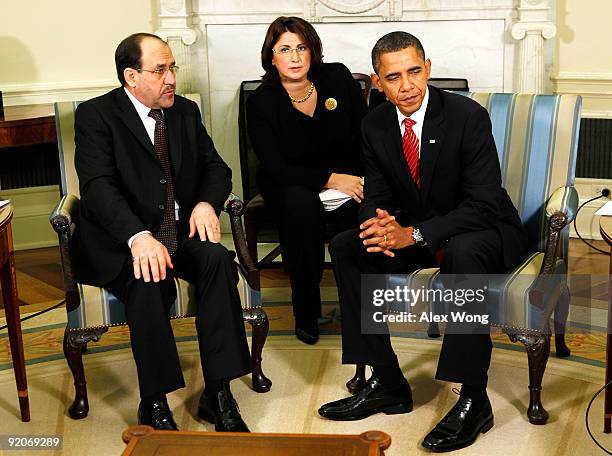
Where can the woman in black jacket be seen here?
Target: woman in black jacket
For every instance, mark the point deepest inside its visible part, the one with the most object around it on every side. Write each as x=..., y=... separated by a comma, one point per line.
x=304, y=124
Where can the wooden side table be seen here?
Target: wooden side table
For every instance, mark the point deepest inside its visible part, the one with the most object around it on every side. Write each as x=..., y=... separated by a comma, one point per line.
x=144, y=441
x=11, y=308
x=605, y=228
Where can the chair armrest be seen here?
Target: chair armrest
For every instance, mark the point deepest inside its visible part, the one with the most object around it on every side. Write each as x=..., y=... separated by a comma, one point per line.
x=64, y=213
x=63, y=217
x=565, y=200
x=561, y=210
x=235, y=209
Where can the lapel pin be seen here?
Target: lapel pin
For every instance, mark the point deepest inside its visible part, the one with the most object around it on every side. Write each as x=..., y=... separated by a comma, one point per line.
x=331, y=104
x=432, y=141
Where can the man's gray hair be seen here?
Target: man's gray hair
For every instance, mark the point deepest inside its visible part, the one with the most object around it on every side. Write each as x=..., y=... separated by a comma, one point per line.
x=394, y=42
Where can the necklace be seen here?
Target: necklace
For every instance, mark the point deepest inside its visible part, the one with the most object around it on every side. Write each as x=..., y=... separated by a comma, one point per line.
x=306, y=97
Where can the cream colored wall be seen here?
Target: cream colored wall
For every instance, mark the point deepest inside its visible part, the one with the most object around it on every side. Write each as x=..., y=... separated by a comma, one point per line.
x=54, y=49
x=582, y=62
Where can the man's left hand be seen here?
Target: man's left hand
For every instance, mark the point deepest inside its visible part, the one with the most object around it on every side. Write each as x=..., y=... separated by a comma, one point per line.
x=204, y=220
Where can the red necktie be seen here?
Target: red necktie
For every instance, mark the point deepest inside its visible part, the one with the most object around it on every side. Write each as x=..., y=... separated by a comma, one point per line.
x=411, y=151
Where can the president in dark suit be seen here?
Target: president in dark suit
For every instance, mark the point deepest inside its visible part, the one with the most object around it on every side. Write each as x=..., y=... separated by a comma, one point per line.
x=432, y=187
x=152, y=186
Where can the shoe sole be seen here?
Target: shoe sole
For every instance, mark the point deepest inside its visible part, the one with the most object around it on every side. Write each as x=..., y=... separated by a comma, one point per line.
x=483, y=430
x=397, y=409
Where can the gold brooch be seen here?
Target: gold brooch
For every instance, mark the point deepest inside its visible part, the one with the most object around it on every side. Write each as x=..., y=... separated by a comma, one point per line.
x=331, y=104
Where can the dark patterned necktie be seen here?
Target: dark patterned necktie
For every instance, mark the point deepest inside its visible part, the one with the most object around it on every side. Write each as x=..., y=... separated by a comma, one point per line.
x=167, y=231
x=411, y=151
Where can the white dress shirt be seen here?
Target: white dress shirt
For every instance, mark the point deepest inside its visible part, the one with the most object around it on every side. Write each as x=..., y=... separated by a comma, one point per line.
x=418, y=117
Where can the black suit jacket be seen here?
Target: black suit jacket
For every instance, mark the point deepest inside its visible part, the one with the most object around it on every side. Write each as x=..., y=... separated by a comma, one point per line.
x=122, y=184
x=295, y=149
x=460, y=174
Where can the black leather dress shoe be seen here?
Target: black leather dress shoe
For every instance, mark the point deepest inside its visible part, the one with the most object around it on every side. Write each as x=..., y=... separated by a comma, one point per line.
x=372, y=398
x=157, y=415
x=223, y=412
x=307, y=331
x=461, y=426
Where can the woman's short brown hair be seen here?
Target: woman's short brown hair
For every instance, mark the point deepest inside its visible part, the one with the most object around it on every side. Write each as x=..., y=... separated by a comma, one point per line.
x=300, y=27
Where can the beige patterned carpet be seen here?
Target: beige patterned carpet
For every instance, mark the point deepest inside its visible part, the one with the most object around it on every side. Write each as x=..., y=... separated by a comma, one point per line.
x=305, y=377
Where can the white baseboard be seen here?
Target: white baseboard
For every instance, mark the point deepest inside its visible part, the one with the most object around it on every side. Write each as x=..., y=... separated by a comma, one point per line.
x=31, y=209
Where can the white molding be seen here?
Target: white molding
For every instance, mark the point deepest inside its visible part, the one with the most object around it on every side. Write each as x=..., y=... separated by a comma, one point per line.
x=50, y=92
x=595, y=88
x=175, y=21
x=593, y=83
x=187, y=35
x=547, y=29
x=264, y=12
x=596, y=113
x=531, y=29
x=582, y=75
x=340, y=10
x=204, y=18
x=350, y=8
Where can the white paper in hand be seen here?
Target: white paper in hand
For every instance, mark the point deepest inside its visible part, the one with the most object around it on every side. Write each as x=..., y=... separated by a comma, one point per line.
x=333, y=199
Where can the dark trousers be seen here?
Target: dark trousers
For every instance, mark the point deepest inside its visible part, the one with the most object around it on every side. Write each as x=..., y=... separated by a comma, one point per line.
x=302, y=224
x=224, y=351
x=464, y=358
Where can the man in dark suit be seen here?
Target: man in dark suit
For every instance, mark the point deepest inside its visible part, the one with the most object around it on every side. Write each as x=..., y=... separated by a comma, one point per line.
x=152, y=186
x=432, y=184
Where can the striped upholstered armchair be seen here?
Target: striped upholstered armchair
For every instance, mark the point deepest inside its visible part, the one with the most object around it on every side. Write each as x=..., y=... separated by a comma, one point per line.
x=537, y=139
x=92, y=310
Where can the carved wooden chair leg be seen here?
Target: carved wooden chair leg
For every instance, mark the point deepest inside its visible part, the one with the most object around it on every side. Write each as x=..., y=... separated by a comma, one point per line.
x=358, y=381
x=538, y=350
x=258, y=319
x=561, y=313
x=433, y=330
x=75, y=343
x=250, y=228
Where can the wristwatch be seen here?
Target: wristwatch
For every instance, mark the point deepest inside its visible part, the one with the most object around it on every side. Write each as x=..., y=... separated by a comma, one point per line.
x=418, y=237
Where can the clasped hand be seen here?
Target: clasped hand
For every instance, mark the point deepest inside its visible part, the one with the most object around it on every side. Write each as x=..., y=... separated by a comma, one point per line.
x=151, y=258
x=384, y=234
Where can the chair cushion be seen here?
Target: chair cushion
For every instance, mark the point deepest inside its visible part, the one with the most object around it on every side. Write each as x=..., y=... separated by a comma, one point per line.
x=100, y=308
x=510, y=306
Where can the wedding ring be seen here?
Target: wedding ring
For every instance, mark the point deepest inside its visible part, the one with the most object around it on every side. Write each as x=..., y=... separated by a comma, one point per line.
x=134, y=258
x=385, y=237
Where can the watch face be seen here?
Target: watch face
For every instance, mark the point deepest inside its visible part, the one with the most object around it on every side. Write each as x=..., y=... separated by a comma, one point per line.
x=416, y=235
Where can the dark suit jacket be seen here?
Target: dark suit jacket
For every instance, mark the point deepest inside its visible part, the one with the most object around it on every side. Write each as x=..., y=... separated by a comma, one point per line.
x=122, y=184
x=460, y=174
x=295, y=149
